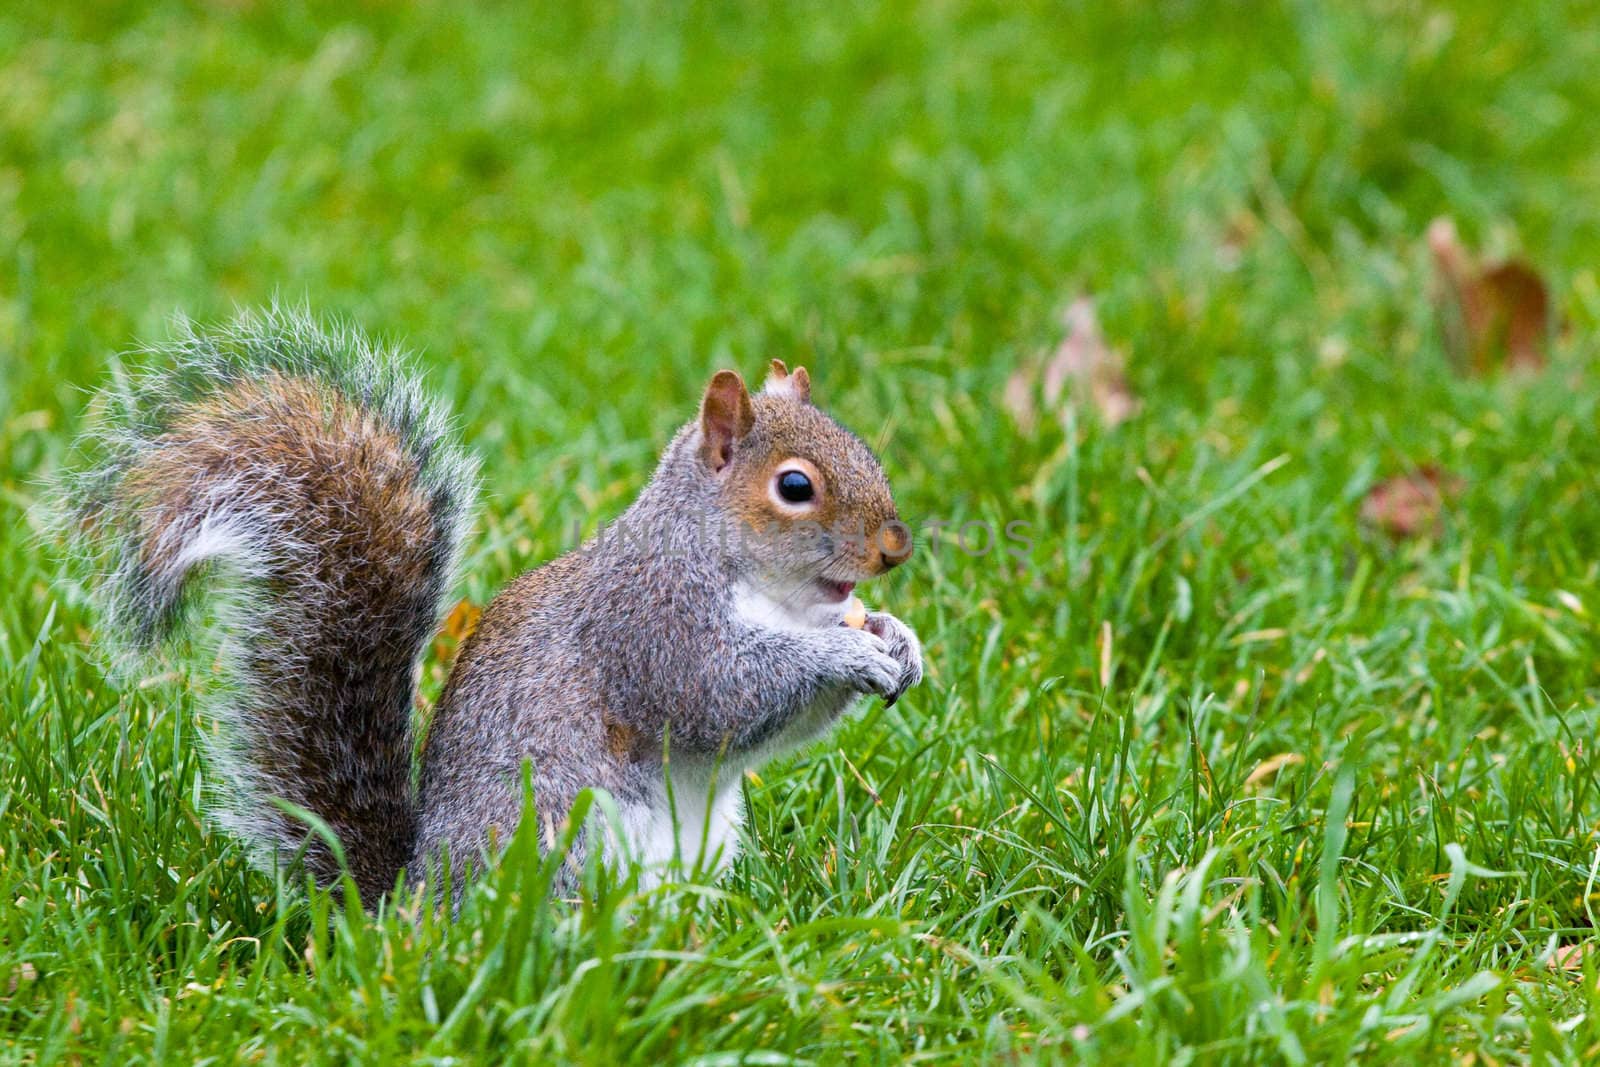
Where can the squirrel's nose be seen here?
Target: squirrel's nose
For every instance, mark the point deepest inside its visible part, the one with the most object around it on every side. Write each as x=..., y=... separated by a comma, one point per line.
x=894, y=543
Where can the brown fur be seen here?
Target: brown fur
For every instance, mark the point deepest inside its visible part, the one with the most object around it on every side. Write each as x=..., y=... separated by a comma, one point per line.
x=853, y=502
x=364, y=532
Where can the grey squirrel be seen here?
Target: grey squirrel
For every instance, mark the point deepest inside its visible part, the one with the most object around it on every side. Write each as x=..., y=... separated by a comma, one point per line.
x=699, y=637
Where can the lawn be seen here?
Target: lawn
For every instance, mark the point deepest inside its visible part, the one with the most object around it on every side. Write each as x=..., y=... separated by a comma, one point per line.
x=1216, y=772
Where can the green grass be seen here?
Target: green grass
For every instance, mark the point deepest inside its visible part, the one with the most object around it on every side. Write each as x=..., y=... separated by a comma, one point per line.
x=1051, y=850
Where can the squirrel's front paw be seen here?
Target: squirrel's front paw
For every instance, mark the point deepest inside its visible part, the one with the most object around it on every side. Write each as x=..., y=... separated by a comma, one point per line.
x=903, y=647
x=864, y=663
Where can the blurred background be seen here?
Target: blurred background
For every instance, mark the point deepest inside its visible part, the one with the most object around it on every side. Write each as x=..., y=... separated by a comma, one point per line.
x=563, y=201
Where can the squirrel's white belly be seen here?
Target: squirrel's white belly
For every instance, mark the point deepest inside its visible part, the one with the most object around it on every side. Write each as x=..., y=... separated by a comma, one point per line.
x=698, y=826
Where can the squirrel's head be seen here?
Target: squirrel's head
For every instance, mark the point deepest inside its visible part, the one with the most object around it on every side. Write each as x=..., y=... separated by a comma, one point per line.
x=809, y=498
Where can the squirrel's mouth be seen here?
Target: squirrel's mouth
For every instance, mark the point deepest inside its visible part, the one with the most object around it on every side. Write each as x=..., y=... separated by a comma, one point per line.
x=835, y=590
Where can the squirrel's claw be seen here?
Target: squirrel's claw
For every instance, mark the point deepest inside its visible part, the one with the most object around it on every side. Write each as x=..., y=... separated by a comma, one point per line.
x=903, y=648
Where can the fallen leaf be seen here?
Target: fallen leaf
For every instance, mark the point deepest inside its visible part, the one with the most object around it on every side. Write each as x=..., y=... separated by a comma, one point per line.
x=1570, y=957
x=1492, y=315
x=462, y=620
x=1082, y=363
x=24, y=972
x=1268, y=769
x=1240, y=231
x=1409, y=504
x=456, y=628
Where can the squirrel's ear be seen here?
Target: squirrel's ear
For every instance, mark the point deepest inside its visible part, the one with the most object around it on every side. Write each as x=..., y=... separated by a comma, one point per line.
x=780, y=382
x=801, y=381
x=725, y=416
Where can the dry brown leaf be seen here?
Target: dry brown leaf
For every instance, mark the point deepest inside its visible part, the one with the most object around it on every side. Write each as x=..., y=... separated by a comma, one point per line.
x=462, y=620
x=24, y=972
x=1409, y=504
x=1493, y=315
x=1571, y=957
x=456, y=628
x=1082, y=363
x=1237, y=235
x=1267, y=770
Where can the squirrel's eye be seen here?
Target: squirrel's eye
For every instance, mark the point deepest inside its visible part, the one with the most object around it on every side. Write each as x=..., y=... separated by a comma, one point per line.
x=795, y=487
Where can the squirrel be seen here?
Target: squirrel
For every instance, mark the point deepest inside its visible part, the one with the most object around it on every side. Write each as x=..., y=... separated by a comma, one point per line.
x=302, y=468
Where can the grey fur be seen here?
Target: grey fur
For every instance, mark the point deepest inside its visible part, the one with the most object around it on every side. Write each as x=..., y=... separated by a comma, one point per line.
x=645, y=638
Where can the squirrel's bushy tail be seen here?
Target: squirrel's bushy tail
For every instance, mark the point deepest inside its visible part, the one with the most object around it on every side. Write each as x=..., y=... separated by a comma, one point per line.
x=304, y=468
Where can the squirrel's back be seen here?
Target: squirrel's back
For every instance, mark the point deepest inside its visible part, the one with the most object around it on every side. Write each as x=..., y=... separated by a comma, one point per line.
x=305, y=467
